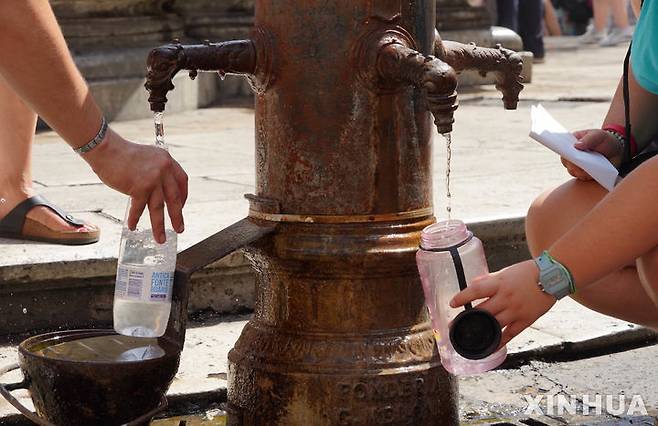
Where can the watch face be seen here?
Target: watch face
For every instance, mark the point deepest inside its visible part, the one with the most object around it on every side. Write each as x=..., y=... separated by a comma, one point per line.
x=553, y=278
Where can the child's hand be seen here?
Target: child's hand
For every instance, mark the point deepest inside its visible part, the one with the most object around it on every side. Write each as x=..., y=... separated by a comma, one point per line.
x=514, y=297
x=596, y=140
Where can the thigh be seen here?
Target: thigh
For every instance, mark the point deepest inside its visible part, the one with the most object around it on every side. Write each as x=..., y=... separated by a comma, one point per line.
x=554, y=212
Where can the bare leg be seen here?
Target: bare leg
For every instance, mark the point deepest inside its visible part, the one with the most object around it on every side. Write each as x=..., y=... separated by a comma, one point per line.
x=636, y=7
x=17, y=125
x=601, y=13
x=622, y=294
x=550, y=19
x=620, y=13
x=647, y=268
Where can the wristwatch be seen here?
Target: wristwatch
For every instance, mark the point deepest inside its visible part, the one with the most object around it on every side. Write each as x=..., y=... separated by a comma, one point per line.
x=554, y=278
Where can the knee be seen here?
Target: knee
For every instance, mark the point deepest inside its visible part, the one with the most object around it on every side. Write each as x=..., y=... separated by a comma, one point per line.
x=647, y=268
x=536, y=224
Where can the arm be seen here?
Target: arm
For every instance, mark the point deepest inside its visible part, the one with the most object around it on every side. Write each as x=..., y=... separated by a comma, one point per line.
x=644, y=126
x=643, y=104
x=38, y=66
x=620, y=229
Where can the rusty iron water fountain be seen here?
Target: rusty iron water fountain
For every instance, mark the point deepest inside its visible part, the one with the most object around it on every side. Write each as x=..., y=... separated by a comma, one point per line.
x=344, y=92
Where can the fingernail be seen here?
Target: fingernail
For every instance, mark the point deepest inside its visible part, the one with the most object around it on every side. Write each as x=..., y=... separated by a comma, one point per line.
x=181, y=228
x=452, y=303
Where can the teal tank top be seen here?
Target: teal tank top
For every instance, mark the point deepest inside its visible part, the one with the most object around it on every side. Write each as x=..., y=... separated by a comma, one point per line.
x=644, y=53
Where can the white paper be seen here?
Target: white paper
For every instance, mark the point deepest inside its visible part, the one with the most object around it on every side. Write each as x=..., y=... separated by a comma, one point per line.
x=547, y=131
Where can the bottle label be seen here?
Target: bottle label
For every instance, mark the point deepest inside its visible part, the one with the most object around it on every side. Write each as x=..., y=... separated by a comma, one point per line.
x=144, y=283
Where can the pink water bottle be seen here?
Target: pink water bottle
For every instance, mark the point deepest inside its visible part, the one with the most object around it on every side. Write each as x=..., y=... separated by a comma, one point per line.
x=450, y=256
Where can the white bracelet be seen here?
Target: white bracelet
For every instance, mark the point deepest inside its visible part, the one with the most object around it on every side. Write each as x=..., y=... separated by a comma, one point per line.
x=618, y=137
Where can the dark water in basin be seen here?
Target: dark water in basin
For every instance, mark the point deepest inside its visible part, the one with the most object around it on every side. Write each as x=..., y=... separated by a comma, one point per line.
x=109, y=348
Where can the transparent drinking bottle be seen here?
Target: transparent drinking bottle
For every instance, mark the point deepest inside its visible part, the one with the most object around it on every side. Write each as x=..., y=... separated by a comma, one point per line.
x=450, y=256
x=145, y=277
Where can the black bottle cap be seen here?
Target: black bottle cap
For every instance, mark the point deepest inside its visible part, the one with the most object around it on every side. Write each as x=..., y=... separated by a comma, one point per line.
x=475, y=334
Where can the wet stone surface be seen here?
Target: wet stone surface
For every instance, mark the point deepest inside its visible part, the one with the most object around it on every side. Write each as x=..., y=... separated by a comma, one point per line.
x=628, y=379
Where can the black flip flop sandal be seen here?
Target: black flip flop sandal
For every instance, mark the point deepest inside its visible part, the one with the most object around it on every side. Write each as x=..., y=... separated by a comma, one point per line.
x=11, y=226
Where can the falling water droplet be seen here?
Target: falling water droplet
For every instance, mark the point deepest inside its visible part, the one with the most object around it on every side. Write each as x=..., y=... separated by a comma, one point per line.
x=24, y=310
x=222, y=74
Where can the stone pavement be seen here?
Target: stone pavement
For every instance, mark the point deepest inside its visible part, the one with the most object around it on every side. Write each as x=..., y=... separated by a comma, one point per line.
x=497, y=170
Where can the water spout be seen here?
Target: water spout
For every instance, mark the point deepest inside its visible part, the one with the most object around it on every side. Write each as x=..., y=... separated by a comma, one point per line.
x=231, y=57
x=505, y=63
x=396, y=62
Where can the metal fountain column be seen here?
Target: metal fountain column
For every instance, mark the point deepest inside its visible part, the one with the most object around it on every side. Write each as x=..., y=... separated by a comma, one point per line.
x=344, y=92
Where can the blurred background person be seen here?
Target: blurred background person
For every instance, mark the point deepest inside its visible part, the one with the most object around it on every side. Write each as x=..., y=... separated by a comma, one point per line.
x=526, y=17
x=621, y=31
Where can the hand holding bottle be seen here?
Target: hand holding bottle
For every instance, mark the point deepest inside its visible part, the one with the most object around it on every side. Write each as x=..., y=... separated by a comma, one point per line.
x=147, y=260
x=148, y=174
x=513, y=297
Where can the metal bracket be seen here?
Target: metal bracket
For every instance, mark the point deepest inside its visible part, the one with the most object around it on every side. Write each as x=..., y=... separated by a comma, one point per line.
x=213, y=248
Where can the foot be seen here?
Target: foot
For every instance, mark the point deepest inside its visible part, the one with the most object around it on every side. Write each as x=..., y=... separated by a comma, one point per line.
x=617, y=36
x=591, y=36
x=41, y=215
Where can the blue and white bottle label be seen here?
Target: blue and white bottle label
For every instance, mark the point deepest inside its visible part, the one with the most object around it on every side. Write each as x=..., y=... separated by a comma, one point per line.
x=144, y=284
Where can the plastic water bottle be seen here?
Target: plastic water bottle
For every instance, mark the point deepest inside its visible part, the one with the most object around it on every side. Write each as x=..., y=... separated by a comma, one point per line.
x=468, y=338
x=145, y=273
x=145, y=277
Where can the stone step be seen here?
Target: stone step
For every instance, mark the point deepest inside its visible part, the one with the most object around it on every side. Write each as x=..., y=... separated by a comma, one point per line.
x=66, y=292
x=79, y=292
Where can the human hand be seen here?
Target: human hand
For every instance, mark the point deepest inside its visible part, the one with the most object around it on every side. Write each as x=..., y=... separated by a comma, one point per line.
x=148, y=174
x=513, y=297
x=596, y=140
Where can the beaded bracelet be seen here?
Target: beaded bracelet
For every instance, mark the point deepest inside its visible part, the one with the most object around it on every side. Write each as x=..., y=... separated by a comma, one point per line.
x=618, y=137
x=621, y=131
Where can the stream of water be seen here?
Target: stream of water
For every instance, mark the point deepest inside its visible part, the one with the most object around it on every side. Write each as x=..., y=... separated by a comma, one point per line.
x=158, y=119
x=448, y=138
